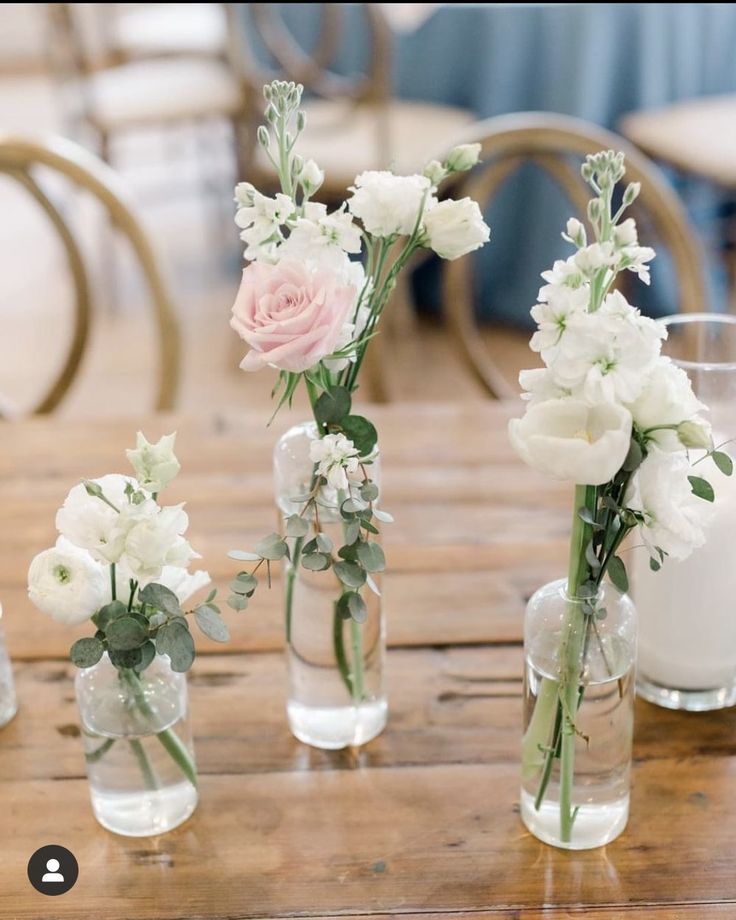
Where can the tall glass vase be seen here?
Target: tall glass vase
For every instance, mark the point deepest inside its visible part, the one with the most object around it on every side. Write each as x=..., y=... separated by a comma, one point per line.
x=137, y=747
x=687, y=638
x=596, y=791
x=336, y=681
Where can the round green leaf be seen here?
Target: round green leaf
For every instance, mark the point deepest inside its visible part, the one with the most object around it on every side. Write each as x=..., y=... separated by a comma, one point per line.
x=160, y=597
x=371, y=557
x=350, y=574
x=125, y=634
x=175, y=640
x=237, y=602
x=361, y=432
x=148, y=653
x=332, y=406
x=272, y=547
x=296, y=526
x=316, y=562
x=86, y=652
x=211, y=623
x=357, y=607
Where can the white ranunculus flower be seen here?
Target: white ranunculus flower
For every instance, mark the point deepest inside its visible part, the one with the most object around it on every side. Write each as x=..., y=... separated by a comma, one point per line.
x=155, y=465
x=573, y=441
x=674, y=518
x=455, y=228
x=388, y=204
x=90, y=523
x=67, y=584
x=337, y=459
x=157, y=540
x=667, y=398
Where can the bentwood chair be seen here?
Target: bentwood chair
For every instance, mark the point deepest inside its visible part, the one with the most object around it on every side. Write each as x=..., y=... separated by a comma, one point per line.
x=354, y=124
x=119, y=84
x=557, y=144
x=22, y=160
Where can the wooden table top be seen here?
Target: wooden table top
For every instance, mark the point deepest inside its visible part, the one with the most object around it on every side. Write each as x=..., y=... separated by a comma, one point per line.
x=423, y=820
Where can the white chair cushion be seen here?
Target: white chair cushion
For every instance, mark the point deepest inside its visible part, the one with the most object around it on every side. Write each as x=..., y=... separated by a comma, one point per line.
x=172, y=28
x=346, y=139
x=169, y=89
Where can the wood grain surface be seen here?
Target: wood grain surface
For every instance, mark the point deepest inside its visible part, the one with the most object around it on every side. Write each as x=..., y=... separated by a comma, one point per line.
x=423, y=821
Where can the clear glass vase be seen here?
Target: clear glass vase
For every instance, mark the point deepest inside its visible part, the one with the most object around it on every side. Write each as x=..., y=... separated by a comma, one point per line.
x=8, y=702
x=137, y=747
x=336, y=684
x=687, y=634
x=593, y=782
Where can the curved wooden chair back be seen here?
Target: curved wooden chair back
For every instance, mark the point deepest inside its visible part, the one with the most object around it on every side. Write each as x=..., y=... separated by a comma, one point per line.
x=557, y=144
x=20, y=159
x=312, y=70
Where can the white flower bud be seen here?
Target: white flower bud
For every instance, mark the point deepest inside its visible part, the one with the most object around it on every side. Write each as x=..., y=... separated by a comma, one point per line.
x=301, y=121
x=694, y=435
x=435, y=172
x=311, y=176
x=631, y=193
x=575, y=233
x=463, y=157
x=263, y=138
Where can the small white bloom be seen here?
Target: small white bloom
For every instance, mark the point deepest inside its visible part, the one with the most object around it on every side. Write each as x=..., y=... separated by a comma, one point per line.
x=156, y=541
x=155, y=465
x=635, y=259
x=90, y=523
x=553, y=314
x=337, y=459
x=539, y=385
x=591, y=258
x=463, y=157
x=667, y=398
x=575, y=233
x=455, y=228
x=261, y=221
x=572, y=441
x=625, y=234
x=674, y=518
x=311, y=176
x=67, y=584
x=387, y=204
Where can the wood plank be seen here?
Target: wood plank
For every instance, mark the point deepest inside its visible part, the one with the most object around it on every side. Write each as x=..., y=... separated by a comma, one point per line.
x=412, y=839
x=448, y=706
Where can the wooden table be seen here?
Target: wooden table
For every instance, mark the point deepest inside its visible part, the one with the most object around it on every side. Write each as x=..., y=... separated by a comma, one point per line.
x=424, y=820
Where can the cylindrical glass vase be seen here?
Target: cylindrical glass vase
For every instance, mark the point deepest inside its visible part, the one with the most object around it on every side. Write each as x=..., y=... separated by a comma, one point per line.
x=687, y=634
x=336, y=665
x=8, y=702
x=597, y=786
x=137, y=747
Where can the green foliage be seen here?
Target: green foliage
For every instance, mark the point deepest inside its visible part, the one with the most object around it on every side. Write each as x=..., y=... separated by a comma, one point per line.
x=723, y=461
x=125, y=634
x=161, y=598
x=273, y=547
x=350, y=574
x=361, y=432
x=701, y=488
x=296, y=526
x=333, y=406
x=208, y=618
x=86, y=652
x=175, y=640
x=617, y=574
x=371, y=557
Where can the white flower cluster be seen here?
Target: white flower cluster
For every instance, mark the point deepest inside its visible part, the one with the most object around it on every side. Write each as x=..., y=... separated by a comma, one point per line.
x=605, y=386
x=115, y=520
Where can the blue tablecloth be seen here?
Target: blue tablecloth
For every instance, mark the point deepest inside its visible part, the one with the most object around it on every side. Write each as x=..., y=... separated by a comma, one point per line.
x=592, y=61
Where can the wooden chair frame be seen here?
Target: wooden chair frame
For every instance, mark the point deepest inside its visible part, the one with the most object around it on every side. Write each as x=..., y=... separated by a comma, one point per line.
x=549, y=141
x=19, y=159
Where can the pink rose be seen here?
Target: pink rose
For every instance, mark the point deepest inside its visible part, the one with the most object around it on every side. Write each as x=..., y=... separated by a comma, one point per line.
x=290, y=316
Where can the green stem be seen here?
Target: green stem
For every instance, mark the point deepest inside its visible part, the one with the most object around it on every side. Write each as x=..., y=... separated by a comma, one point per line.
x=338, y=643
x=149, y=777
x=113, y=585
x=356, y=638
x=291, y=573
x=168, y=738
x=571, y=658
x=99, y=752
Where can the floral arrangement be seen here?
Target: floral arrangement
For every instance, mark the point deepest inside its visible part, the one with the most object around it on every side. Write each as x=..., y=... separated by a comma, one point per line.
x=310, y=301
x=612, y=415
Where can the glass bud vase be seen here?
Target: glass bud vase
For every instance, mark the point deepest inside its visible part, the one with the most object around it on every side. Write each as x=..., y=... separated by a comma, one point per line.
x=8, y=702
x=687, y=636
x=137, y=747
x=335, y=665
x=589, y=782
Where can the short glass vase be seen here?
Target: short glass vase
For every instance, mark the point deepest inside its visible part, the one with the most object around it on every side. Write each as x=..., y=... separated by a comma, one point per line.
x=137, y=746
x=580, y=800
x=335, y=665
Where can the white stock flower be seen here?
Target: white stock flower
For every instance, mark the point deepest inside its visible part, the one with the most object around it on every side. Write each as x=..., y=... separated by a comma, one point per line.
x=261, y=220
x=156, y=540
x=591, y=258
x=67, y=584
x=667, y=398
x=455, y=228
x=90, y=523
x=539, y=385
x=563, y=272
x=336, y=458
x=321, y=238
x=572, y=441
x=674, y=518
x=625, y=234
x=388, y=204
x=155, y=465
x=553, y=314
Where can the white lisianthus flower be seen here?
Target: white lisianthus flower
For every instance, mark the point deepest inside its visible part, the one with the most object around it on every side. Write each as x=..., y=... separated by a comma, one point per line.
x=90, y=523
x=337, y=459
x=572, y=441
x=311, y=176
x=674, y=518
x=667, y=398
x=387, y=204
x=455, y=228
x=155, y=465
x=156, y=541
x=67, y=584
x=463, y=157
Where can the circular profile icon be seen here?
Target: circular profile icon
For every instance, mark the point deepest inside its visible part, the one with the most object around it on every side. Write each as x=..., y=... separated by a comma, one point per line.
x=53, y=870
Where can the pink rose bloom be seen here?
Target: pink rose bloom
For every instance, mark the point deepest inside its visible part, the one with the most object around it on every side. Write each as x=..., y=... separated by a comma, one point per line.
x=290, y=316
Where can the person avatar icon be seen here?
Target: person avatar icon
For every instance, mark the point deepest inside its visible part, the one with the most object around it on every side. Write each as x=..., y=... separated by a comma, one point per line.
x=53, y=874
